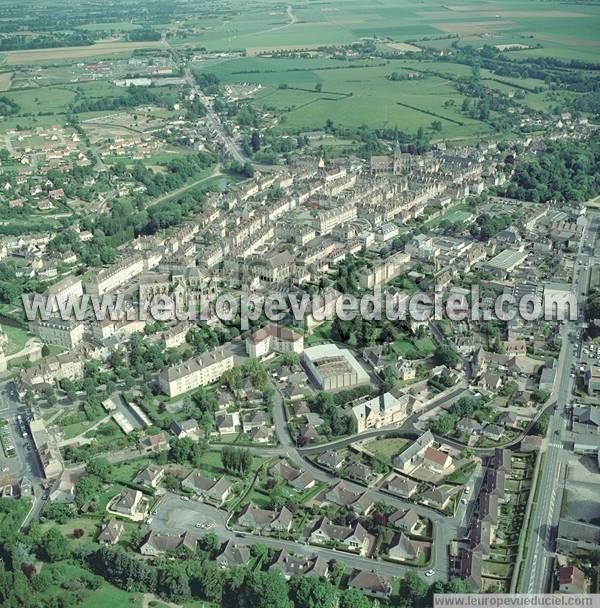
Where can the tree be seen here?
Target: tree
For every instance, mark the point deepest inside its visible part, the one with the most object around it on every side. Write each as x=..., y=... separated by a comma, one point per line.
x=444, y=355
x=53, y=546
x=209, y=543
x=312, y=592
x=100, y=467
x=353, y=598
x=255, y=141
x=318, y=87
x=265, y=590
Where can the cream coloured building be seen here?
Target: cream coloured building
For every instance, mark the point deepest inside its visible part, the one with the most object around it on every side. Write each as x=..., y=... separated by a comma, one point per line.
x=201, y=371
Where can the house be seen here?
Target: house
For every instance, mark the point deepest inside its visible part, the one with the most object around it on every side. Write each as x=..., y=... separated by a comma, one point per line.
x=151, y=475
x=374, y=412
x=261, y=434
x=436, y=498
x=308, y=432
x=353, y=538
x=491, y=381
x=156, y=544
x=331, y=460
x=488, y=509
x=471, y=564
x=289, y=565
x=254, y=419
x=263, y=520
x=576, y=536
x=571, y=580
x=493, y=432
x=342, y=496
x=127, y=502
x=437, y=460
x=480, y=537
x=359, y=472
x=401, y=486
x=507, y=419
x=586, y=419
x=406, y=520
x=495, y=483
x=111, y=532
x=299, y=480
x=233, y=555
x=187, y=428
x=215, y=491
x=501, y=460
x=405, y=549
x=370, y=583
x=155, y=443
x=468, y=426
x=227, y=424
x=411, y=457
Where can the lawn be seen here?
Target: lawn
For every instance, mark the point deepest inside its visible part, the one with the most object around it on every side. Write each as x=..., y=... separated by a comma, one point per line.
x=385, y=449
x=106, y=596
x=17, y=338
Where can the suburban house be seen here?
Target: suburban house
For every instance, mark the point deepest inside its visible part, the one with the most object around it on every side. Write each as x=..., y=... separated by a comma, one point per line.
x=571, y=580
x=215, y=491
x=406, y=520
x=233, y=555
x=290, y=564
x=331, y=460
x=436, y=498
x=389, y=408
x=156, y=544
x=299, y=480
x=370, y=583
x=405, y=549
x=353, y=538
x=187, y=428
x=412, y=455
x=437, y=460
x=263, y=520
x=111, y=532
x=127, y=502
x=151, y=475
x=493, y=432
x=343, y=496
x=468, y=426
x=401, y=486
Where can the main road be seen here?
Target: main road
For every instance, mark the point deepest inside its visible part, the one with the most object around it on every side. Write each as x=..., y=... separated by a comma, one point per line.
x=545, y=511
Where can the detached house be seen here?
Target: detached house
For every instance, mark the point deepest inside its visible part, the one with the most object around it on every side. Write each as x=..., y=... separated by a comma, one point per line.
x=215, y=491
x=157, y=544
x=151, y=475
x=354, y=538
x=405, y=549
x=263, y=520
x=370, y=583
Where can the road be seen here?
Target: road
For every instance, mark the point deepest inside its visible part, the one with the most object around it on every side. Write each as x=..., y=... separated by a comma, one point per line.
x=545, y=513
x=214, y=122
x=175, y=515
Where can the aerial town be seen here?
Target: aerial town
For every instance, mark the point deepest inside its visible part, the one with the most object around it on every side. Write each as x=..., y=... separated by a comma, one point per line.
x=151, y=458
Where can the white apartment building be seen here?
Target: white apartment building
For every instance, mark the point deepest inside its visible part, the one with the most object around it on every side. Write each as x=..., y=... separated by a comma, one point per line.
x=56, y=331
x=274, y=339
x=328, y=219
x=201, y=371
x=69, y=287
x=116, y=275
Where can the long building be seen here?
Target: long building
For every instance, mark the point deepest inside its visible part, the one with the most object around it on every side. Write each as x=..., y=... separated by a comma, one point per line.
x=201, y=371
x=67, y=334
x=116, y=275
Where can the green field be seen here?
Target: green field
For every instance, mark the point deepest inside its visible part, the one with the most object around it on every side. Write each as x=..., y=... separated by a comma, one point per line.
x=562, y=29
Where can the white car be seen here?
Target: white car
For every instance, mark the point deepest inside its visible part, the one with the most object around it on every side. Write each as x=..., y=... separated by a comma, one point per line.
x=185, y=498
x=430, y=573
x=199, y=525
x=467, y=490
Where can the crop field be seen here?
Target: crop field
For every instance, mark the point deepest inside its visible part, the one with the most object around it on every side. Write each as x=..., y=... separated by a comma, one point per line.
x=562, y=30
x=350, y=96
x=99, y=49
